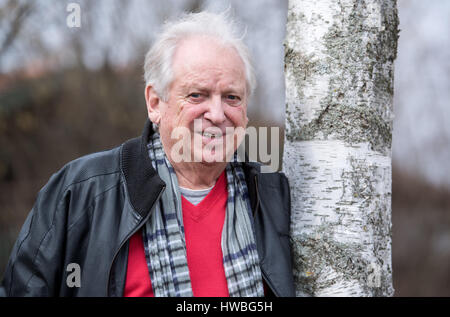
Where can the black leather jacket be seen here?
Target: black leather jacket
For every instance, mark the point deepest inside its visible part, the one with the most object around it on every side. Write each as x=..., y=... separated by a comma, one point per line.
x=89, y=209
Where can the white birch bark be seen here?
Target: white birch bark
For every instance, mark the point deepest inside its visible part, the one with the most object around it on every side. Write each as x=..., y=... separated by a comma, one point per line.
x=339, y=57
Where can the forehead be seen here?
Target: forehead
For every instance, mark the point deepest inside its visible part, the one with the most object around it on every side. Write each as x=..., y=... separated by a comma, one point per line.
x=205, y=61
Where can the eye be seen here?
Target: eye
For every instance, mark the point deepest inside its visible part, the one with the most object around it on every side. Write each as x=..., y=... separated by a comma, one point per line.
x=233, y=100
x=195, y=97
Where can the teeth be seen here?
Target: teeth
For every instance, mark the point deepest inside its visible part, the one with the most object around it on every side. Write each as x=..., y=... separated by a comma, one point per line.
x=209, y=135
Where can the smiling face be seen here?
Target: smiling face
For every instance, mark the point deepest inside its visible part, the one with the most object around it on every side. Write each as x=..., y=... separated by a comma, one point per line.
x=207, y=99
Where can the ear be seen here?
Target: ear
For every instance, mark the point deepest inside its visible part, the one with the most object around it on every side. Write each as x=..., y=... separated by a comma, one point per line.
x=153, y=104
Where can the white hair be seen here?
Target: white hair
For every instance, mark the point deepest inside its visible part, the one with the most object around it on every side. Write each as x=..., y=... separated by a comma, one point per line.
x=158, y=60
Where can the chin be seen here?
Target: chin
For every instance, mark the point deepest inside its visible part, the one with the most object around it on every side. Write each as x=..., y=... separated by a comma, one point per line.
x=208, y=157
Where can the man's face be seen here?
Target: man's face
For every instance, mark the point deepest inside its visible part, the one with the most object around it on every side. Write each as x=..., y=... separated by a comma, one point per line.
x=207, y=99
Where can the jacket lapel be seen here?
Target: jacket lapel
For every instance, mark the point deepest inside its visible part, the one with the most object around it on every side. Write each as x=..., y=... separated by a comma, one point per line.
x=271, y=228
x=142, y=182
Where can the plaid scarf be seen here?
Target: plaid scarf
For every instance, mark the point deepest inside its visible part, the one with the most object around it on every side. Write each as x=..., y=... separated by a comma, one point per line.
x=165, y=245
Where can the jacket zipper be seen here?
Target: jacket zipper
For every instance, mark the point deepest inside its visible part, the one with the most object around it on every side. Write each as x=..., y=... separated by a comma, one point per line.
x=264, y=274
x=143, y=221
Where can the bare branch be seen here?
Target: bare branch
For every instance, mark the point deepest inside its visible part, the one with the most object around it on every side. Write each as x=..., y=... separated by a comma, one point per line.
x=18, y=13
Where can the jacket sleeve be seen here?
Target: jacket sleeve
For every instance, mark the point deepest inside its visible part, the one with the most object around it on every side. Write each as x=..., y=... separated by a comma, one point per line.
x=34, y=267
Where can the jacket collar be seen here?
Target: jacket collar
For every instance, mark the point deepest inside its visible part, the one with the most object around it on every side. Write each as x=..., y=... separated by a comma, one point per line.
x=142, y=182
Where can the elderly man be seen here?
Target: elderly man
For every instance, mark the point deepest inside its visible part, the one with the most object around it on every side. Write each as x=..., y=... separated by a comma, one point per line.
x=173, y=213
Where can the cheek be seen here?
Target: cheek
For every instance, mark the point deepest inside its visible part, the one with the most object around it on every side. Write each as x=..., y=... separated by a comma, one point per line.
x=179, y=114
x=190, y=113
x=237, y=115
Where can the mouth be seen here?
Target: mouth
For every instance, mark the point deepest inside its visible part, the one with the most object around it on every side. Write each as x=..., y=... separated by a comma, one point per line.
x=211, y=133
x=212, y=137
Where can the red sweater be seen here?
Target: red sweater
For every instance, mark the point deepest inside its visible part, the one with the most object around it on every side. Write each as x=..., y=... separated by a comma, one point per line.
x=203, y=225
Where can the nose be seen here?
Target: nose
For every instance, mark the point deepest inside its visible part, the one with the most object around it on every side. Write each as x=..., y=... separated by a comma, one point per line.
x=215, y=112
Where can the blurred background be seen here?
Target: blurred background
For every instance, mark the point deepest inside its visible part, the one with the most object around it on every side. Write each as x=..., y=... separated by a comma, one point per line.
x=67, y=92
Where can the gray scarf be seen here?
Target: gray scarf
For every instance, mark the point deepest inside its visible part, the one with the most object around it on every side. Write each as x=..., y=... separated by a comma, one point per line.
x=164, y=241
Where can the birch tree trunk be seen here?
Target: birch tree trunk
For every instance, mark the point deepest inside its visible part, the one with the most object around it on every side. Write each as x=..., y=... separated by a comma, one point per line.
x=339, y=59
